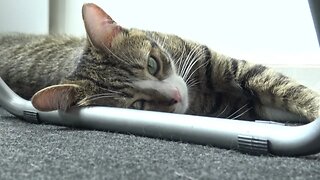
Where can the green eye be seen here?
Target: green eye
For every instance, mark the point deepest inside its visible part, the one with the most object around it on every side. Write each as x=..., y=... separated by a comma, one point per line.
x=153, y=66
x=139, y=104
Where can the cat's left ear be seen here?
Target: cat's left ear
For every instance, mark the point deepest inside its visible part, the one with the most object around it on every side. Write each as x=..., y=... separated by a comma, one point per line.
x=101, y=28
x=56, y=97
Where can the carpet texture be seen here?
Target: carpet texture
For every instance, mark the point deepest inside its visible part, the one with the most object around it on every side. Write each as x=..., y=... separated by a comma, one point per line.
x=30, y=151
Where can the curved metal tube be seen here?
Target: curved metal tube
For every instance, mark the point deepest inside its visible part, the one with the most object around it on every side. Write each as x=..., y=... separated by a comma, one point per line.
x=249, y=137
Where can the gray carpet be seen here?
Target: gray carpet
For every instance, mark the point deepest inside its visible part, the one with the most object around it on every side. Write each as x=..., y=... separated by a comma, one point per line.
x=29, y=151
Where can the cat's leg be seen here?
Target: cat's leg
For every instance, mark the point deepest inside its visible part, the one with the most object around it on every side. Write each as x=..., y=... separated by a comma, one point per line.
x=278, y=114
x=276, y=95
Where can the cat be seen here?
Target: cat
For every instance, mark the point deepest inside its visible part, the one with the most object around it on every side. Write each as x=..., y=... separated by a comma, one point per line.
x=146, y=70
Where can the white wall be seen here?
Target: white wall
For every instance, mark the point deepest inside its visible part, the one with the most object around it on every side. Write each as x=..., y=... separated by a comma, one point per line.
x=265, y=31
x=30, y=16
x=269, y=31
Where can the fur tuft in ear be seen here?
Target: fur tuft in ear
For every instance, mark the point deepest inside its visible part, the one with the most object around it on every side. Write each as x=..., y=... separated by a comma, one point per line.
x=101, y=28
x=57, y=97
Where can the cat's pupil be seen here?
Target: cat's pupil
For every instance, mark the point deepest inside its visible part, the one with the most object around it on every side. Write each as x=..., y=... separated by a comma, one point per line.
x=152, y=66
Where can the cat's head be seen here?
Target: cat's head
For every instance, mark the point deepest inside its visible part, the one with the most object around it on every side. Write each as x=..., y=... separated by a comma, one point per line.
x=121, y=67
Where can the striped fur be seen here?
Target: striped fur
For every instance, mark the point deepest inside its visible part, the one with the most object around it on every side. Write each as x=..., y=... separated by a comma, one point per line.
x=217, y=85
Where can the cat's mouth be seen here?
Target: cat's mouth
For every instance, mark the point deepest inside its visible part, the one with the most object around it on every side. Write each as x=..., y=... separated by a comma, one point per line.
x=179, y=102
x=180, y=94
x=176, y=89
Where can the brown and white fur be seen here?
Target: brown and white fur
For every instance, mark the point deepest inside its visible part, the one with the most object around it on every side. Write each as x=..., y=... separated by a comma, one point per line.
x=147, y=70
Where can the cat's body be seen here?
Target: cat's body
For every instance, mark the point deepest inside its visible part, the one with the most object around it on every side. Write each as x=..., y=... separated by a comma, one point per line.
x=32, y=62
x=147, y=70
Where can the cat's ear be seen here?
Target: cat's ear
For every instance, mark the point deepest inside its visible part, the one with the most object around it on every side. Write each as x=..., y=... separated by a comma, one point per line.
x=56, y=97
x=101, y=28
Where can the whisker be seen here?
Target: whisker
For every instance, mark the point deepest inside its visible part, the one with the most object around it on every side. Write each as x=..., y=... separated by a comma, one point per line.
x=242, y=113
x=230, y=116
x=93, y=98
x=106, y=47
x=193, y=83
x=163, y=42
x=176, y=58
x=188, y=61
x=180, y=60
x=223, y=111
x=99, y=95
x=190, y=66
x=116, y=92
x=127, y=58
x=189, y=76
x=196, y=54
x=184, y=64
x=110, y=91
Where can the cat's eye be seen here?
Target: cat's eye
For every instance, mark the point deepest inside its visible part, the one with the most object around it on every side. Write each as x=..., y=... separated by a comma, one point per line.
x=139, y=104
x=153, y=66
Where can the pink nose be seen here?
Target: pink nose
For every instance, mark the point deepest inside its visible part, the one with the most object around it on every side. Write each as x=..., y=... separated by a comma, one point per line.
x=176, y=95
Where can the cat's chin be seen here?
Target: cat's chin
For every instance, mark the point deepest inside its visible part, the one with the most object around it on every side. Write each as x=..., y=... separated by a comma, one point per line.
x=180, y=108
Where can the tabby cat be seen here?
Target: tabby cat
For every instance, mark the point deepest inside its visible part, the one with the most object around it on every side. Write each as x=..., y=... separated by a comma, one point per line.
x=146, y=70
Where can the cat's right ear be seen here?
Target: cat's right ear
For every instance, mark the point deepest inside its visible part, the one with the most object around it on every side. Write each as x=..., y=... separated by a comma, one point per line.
x=101, y=28
x=56, y=97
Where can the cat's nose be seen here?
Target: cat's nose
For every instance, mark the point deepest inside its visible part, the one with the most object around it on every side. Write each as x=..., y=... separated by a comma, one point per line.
x=176, y=96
